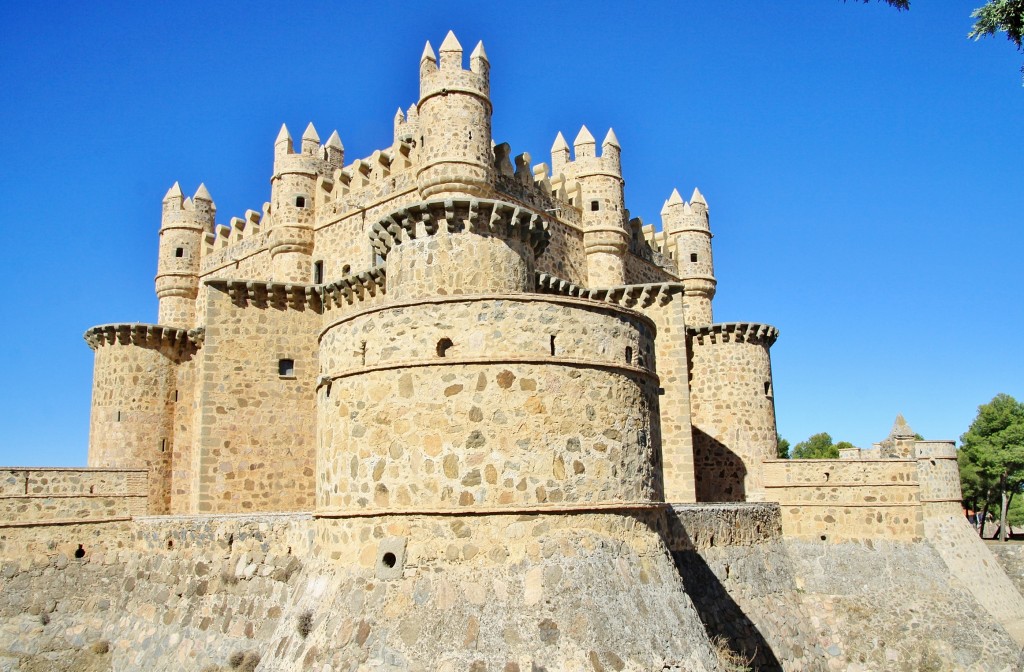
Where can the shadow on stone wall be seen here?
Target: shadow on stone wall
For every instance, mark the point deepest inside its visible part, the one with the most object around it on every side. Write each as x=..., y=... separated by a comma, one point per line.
x=722, y=617
x=719, y=472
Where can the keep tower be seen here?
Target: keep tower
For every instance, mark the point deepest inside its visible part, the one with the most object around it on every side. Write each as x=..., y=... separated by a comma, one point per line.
x=454, y=112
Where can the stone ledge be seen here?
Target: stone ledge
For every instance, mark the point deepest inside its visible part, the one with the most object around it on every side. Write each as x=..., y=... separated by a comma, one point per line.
x=735, y=332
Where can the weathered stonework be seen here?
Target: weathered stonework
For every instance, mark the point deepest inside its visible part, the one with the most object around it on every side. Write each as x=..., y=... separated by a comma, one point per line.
x=442, y=409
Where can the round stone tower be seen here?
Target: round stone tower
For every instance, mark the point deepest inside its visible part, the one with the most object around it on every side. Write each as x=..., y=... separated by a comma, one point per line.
x=605, y=238
x=485, y=396
x=732, y=406
x=454, y=112
x=134, y=393
x=183, y=225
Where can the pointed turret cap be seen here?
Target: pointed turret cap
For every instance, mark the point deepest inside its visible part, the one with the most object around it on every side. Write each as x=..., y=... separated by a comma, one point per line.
x=675, y=198
x=173, y=192
x=451, y=43
x=611, y=139
x=202, y=194
x=283, y=135
x=584, y=137
x=335, y=141
x=559, y=143
x=479, y=52
x=664, y=207
x=698, y=198
x=428, y=53
x=900, y=427
x=399, y=116
x=310, y=134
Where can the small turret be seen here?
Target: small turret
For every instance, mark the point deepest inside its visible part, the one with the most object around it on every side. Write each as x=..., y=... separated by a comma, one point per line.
x=293, y=200
x=605, y=233
x=688, y=231
x=454, y=110
x=183, y=224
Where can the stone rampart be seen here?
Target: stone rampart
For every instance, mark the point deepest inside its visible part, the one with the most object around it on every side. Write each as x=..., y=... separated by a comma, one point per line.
x=842, y=500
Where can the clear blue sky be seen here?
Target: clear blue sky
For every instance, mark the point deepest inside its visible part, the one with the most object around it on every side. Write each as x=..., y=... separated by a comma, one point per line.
x=864, y=169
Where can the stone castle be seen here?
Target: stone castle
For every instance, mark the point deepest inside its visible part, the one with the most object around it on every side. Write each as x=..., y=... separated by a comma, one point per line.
x=445, y=408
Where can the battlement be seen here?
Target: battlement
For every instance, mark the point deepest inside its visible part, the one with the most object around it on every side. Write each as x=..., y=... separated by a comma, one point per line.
x=312, y=158
x=238, y=229
x=144, y=335
x=483, y=216
x=449, y=75
x=678, y=216
x=734, y=332
x=584, y=161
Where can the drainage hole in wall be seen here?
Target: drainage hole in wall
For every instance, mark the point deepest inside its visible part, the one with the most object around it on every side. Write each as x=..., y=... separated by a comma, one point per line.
x=170, y=544
x=823, y=537
x=79, y=552
x=389, y=559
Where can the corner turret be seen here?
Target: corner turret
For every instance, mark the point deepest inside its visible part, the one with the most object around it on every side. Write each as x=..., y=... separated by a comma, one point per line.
x=688, y=230
x=183, y=224
x=455, y=122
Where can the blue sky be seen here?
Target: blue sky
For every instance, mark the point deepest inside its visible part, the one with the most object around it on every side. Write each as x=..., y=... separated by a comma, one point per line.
x=863, y=168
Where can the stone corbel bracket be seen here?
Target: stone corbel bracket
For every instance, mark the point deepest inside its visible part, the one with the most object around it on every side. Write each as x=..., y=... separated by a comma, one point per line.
x=154, y=336
x=452, y=215
x=734, y=332
x=354, y=287
x=271, y=294
x=625, y=296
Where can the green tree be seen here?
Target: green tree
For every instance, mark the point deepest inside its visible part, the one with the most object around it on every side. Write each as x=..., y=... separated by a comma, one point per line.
x=992, y=456
x=782, y=450
x=818, y=447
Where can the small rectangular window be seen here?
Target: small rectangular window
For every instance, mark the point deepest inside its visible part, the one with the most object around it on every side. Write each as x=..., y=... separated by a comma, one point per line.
x=179, y=252
x=318, y=272
x=595, y=206
x=286, y=368
x=693, y=257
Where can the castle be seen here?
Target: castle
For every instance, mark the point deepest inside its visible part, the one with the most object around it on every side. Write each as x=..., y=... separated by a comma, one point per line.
x=435, y=300
x=445, y=408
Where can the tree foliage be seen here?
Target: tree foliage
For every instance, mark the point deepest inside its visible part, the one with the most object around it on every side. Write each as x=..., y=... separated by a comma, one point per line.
x=991, y=456
x=782, y=449
x=999, y=15
x=818, y=447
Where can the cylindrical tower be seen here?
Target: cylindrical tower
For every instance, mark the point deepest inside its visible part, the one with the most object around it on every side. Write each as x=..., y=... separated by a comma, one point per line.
x=292, y=198
x=455, y=122
x=939, y=476
x=605, y=239
x=689, y=231
x=732, y=406
x=133, y=401
x=183, y=224
x=491, y=397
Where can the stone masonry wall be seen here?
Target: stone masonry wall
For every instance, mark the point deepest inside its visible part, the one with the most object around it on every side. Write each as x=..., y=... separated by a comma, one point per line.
x=256, y=427
x=842, y=500
x=674, y=401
